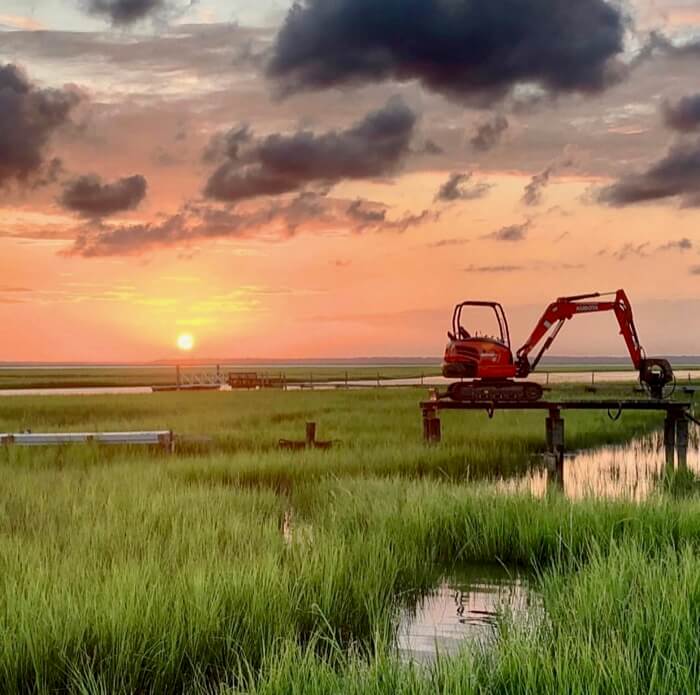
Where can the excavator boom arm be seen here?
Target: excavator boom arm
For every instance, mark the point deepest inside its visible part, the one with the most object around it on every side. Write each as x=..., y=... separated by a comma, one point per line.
x=565, y=308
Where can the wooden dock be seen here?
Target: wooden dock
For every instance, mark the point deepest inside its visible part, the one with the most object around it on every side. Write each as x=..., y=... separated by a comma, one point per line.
x=677, y=418
x=253, y=380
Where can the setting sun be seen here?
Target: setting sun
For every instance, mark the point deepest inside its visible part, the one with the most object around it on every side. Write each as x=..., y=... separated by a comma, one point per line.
x=185, y=341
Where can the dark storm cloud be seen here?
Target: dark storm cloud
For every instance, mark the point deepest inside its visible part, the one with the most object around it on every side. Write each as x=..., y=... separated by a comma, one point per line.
x=29, y=116
x=125, y=12
x=513, y=232
x=273, y=221
x=376, y=146
x=488, y=134
x=683, y=115
x=90, y=197
x=456, y=188
x=533, y=191
x=469, y=50
x=676, y=176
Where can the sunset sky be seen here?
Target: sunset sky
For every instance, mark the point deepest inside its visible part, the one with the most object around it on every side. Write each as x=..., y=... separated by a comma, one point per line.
x=329, y=180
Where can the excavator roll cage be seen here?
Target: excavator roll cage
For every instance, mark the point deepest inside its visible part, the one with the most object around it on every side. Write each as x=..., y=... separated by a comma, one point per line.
x=457, y=328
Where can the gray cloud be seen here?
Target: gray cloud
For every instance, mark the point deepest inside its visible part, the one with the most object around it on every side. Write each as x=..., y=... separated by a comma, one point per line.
x=658, y=44
x=432, y=148
x=535, y=265
x=125, y=12
x=273, y=221
x=90, y=197
x=473, y=51
x=684, y=115
x=533, y=190
x=456, y=188
x=513, y=232
x=677, y=175
x=29, y=116
x=376, y=146
x=369, y=215
x=227, y=145
x=203, y=50
x=629, y=250
x=448, y=242
x=683, y=244
x=494, y=268
x=488, y=133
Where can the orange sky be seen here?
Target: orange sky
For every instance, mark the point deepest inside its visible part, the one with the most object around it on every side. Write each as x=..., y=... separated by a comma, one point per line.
x=329, y=291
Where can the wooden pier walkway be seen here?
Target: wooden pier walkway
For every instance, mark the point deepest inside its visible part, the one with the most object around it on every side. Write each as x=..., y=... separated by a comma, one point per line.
x=677, y=418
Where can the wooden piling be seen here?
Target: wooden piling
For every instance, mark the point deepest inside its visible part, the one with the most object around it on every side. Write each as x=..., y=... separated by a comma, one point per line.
x=554, y=430
x=670, y=437
x=310, y=433
x=432, y=430
x=682, y=442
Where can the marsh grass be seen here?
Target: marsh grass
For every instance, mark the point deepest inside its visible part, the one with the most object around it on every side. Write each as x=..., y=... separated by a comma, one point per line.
x=126, y=571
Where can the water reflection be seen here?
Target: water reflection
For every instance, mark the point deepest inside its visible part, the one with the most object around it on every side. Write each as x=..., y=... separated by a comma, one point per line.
x=630, y=470
x=464, y=610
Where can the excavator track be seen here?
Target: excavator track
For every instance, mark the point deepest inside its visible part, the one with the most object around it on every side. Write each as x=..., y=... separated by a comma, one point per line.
x=505, y=391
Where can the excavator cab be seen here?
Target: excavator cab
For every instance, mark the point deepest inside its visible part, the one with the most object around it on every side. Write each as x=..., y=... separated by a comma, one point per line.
x=480, y=349
x=461, y=332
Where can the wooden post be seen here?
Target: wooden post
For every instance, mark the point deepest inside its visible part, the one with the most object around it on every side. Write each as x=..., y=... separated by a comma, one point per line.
x=554, y=428
x=432, y=432
x=378, y=384
x=310, y=433
x=670, y=437
x=682, y=442
x=177, y=377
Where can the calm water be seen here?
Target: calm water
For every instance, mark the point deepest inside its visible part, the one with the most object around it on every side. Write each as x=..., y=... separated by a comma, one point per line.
x=630, y=470
x=463, y=611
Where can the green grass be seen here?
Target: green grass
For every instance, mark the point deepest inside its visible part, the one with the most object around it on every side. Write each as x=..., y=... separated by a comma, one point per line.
x=130, y=571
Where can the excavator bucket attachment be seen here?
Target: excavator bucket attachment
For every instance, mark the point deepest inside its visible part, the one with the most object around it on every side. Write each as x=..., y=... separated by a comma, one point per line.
x=656, y=375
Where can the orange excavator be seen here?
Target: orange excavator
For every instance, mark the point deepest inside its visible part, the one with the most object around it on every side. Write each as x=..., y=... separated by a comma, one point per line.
x=487, y=367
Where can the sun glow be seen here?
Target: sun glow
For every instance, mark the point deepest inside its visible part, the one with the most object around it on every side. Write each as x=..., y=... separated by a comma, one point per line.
x=185, y=341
